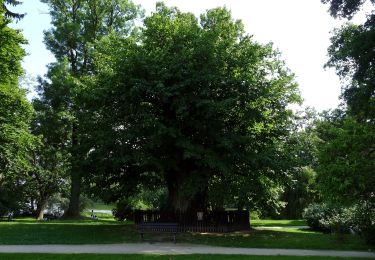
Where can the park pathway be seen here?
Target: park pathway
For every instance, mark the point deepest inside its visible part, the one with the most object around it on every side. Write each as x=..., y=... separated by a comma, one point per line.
x=173, y=249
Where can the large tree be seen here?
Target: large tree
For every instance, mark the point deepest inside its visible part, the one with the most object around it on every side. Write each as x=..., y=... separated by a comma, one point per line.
x=346, y=168
x=15, y=115
x=77, y=25
x=352, y=54
x=189, y=102
x=351, y=132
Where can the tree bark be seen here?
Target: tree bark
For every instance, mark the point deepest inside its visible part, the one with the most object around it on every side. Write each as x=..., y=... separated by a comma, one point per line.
x=41, y=206
x=73, y=211
x=182, y=197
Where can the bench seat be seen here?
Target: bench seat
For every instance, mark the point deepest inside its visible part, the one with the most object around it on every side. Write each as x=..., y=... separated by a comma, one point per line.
x=160, y=227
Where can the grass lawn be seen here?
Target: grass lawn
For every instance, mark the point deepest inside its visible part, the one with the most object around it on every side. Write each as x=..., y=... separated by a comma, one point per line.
x=280, y=238
x=151, y=257
x=278, y=223
x=106, y=231
x=101, y=206
x=32, y=232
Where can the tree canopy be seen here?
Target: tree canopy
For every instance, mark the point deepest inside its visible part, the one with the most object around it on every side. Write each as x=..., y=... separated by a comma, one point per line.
x=76, y=27
x=352, y=55
x=191, y=102
x=15, y=116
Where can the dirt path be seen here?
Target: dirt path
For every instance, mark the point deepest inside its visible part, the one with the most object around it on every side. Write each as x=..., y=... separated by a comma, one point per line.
x=166, y=248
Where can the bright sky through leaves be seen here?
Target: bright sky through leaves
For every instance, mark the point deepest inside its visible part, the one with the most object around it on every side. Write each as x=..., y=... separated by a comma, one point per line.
x=299, y=29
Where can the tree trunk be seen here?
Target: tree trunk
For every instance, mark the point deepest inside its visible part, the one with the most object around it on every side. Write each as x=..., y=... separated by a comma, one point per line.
x=185, y=196
x=73, y=211
x=41, y=206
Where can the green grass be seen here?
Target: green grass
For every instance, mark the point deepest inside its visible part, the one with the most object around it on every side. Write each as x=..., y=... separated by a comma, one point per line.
x=278, y=223
x=168, y=257
x=280, y=238
x=101, y=206
x=99, y=215
x=102, y=231
x=106, y=231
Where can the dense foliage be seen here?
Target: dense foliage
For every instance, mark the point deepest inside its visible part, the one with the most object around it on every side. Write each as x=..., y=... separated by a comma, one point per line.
x=192, y=105
x=347, y=160
x=15, y=115
x=347, y=151
x=330, y=218
x=76, y=26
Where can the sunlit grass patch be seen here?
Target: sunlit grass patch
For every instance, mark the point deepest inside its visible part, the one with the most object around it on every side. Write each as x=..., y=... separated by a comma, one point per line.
x=278, y=223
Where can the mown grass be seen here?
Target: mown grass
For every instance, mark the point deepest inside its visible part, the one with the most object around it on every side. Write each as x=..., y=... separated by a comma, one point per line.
x=151, y=257
x=107, y=231
x=280, y=238
x=86, y=231
x=278, y=223
x=101, y=206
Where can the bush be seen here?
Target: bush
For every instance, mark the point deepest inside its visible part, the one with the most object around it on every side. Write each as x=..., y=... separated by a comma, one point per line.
x=364, y=219
x=123, y=211
x=341, y=221
x=316, y=216
x=329, y=218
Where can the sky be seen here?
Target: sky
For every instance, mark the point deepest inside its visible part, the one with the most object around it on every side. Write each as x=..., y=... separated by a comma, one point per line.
x=300, y=30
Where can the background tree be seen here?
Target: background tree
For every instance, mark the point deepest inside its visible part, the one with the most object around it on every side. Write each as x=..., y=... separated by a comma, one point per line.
x=301, y=153
x=346, y=154
x=15, y=115
x=344, y=8
x=187, y=103
x=8, y=13
x=347, y=159
x=352, y=54
x=77, y=25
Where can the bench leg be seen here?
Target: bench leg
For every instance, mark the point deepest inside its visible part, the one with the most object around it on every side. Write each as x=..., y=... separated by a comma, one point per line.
x=142, y=236
x=174, y=237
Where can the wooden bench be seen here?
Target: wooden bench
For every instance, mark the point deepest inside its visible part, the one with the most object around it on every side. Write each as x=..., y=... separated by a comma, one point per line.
x=171, y=228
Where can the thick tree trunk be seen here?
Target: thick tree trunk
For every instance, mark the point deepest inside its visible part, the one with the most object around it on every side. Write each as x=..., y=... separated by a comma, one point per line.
x=73, y=211
x=41, y=206
x=183, y=196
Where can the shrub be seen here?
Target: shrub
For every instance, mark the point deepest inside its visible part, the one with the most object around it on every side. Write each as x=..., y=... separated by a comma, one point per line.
x=316, y=216
x=364, y=219
x=341, y=220
x=329, y=218
x=123, y=211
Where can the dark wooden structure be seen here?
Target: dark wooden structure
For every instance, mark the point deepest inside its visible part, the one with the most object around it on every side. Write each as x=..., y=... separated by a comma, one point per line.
x=211, y=221
x=157, y=228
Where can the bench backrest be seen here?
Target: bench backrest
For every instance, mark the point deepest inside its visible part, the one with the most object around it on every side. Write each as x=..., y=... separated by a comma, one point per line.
x=160, y=227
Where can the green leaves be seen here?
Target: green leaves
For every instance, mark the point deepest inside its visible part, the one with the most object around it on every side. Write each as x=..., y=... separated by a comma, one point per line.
x=352, y=55
x=16, y=112
x=346, y=158
x=77, y=25
x=189, y=102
